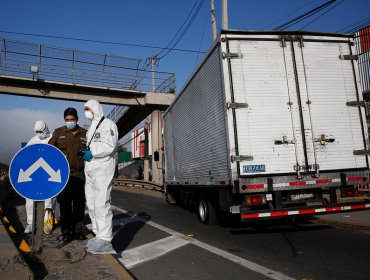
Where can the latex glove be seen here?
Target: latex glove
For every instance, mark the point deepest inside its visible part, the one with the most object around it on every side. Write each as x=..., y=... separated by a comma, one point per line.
x=81, y=153
x=87, y=156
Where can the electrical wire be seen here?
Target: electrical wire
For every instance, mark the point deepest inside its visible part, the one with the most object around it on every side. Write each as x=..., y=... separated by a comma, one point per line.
x=192, y=14
x=202, y=38
x=184, y=31
x=304, y=16
x=178, y=31
x=365, y=21
x=319, y=16
x=272, y=23
x=357, y=27
x=96, y=41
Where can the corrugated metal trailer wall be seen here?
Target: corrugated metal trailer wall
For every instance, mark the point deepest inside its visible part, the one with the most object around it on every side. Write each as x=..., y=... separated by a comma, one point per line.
x=195, y=129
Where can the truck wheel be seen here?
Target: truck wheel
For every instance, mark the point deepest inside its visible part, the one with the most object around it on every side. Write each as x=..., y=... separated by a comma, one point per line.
x=206, y=212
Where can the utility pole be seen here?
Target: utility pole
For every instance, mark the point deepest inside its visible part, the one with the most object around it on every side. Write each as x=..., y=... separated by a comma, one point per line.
x=156, y=130
x=225, y=19
x=213, y=15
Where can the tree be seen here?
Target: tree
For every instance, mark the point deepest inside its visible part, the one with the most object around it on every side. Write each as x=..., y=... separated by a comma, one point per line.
x=3, y=168
x=122, y=148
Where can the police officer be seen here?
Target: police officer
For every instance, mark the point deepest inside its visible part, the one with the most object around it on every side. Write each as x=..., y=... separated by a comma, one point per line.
x=70, y=139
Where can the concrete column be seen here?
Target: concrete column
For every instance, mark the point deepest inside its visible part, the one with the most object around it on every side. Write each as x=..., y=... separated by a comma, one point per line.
x=157, y=175
x=146, y=152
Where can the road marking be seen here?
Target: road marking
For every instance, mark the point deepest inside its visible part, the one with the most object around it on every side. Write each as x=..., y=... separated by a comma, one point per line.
x=231, y=257
x=151, y=251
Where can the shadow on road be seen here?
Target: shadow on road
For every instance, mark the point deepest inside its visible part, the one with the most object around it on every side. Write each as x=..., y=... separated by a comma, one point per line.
x=277, y=226
x=125, y=232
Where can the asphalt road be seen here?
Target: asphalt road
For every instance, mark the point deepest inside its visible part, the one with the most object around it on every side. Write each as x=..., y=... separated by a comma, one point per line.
x=160, y=241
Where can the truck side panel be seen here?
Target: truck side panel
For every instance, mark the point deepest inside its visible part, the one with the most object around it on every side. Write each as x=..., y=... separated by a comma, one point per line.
x=195, y=129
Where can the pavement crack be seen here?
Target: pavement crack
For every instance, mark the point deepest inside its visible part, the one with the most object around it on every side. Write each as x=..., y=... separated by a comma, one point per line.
x=291, y=245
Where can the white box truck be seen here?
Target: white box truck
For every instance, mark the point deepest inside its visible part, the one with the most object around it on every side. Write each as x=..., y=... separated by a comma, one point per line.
x=271, y=124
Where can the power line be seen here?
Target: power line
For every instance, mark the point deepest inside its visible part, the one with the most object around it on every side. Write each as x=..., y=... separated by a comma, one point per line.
x=201, y=41
x=304, y=16
x=319, y=16
x=288, y=14
x=178, y=31
x=357, y=27
x=183, y=32
x=353, y=25
x=97, y=41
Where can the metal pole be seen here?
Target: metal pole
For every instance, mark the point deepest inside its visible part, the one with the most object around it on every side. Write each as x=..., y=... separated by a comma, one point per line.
x=38, y=226
x=213, y=15
x=225, y=19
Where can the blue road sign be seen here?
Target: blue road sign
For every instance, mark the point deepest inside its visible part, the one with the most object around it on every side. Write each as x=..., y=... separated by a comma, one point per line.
x=39, y=172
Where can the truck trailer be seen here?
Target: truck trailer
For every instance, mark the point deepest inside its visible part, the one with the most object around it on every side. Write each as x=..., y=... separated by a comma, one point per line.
x=270, y=124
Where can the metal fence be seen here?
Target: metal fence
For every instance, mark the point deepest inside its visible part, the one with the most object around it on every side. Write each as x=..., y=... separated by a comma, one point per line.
x=29, y=60
x=117, y=112
x=362, y=40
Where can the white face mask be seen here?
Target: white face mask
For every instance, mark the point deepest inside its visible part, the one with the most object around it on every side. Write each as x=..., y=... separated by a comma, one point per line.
x=89, y=115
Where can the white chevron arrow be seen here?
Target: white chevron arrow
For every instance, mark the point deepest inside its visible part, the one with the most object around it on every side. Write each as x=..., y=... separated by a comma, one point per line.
x=24, y=176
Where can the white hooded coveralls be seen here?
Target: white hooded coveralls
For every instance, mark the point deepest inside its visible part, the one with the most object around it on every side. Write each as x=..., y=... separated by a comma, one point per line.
x=100, y=171
x=46, y=135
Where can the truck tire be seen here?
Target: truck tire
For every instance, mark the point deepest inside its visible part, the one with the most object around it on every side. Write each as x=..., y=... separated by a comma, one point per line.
x=207, y=214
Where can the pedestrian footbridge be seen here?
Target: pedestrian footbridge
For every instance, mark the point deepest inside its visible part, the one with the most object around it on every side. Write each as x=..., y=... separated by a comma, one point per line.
x=34, y=70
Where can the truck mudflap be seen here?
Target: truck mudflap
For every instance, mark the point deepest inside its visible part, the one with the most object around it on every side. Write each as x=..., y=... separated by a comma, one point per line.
x=309, y=210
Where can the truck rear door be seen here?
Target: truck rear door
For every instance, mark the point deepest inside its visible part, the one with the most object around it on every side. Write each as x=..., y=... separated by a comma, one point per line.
x=290, y=105
x=329, y=95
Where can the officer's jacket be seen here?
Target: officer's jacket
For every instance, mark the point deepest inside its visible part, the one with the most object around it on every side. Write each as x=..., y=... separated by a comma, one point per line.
x=70, y=144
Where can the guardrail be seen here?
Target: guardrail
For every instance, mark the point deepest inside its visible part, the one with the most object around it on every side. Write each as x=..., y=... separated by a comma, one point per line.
x=138, y=183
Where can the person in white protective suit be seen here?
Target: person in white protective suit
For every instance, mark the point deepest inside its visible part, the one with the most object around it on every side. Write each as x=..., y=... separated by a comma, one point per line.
x=102, y=139
x=42, y=137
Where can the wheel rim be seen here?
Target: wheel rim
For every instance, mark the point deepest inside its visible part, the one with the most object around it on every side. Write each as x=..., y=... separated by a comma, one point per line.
x=48, y=221
x=203, y=211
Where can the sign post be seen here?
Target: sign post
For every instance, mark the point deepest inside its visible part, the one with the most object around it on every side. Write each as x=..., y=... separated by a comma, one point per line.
x=37, y=226
x=39, y=172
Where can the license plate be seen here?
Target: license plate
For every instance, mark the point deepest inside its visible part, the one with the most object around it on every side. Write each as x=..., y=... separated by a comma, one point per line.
x=301, y=196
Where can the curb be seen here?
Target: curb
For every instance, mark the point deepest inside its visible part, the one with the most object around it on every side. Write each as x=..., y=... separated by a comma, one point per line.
x=121, y=272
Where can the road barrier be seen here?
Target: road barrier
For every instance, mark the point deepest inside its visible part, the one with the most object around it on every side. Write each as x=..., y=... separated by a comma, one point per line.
x=138, y=183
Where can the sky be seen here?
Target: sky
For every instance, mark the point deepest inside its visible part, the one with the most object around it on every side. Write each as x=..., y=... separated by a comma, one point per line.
x=139, y=22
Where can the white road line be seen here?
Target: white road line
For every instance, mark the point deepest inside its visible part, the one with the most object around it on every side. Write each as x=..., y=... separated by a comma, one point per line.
x=243, y=262
x=151, y=251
